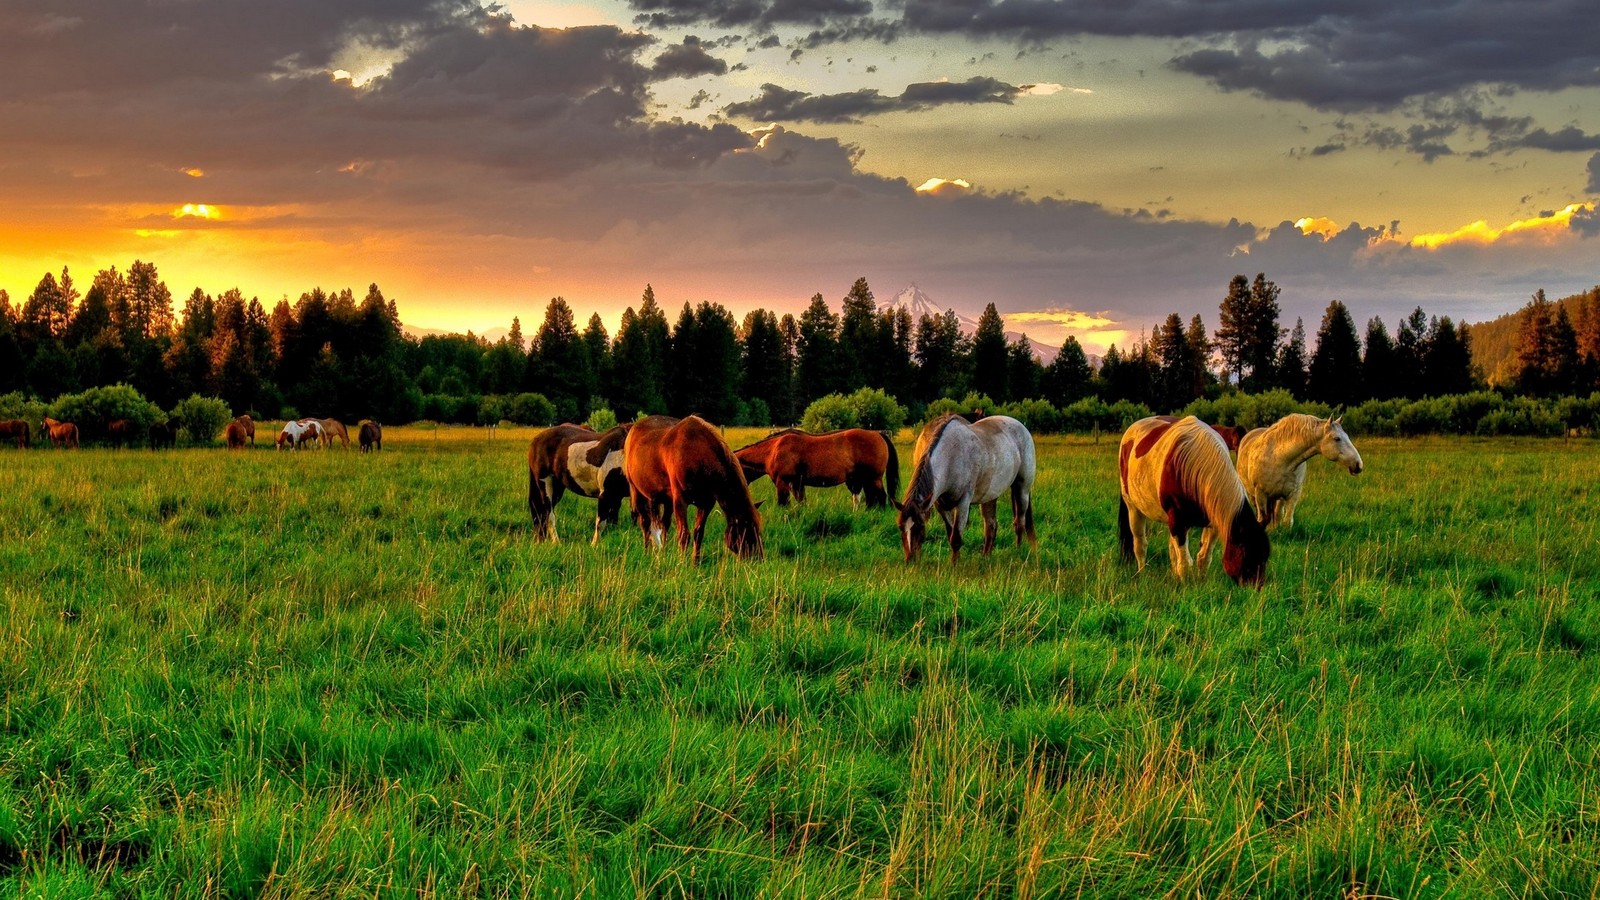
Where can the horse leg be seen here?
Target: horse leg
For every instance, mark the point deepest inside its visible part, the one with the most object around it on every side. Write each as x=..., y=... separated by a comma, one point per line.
x=1178, y=549
x=800, y=488
x=1136, y=524
x=783, y=490
x=1022, y=515
x=701, y=513
x=1286, y=511
x=1208, y=540
x=680, y=517
x=956, y=521
x=991, y=524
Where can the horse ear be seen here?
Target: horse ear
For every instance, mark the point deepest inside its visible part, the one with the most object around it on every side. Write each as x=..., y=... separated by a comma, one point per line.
x=758, y=504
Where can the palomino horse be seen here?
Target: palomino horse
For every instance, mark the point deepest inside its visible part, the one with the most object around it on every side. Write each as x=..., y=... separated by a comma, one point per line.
x=1272, y=461
x=249, y=426
x=15, y=429
x=578, y=459
x=861, y=460
x=62, y=434
x=1180, y=473
x=681, y=463
x=370, y=435
x=235, y=435
x=333, y=428
x=959, y=464
x=297, y=433
x=120, y=432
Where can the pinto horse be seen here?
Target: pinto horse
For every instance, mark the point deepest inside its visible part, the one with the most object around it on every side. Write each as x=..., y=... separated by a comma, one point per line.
x=1228, y=433
x=15, y=429
x=62, y=434
x=1272, y=461
x=679, y=463
x=370, y=434
x=297, y=433
x=865, y=462
x=959, y=464
x=1180, y=473
x=575, y=458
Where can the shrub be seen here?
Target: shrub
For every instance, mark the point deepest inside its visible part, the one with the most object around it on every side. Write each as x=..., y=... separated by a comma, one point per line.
x=202, y=417
x=532, y=409
x=93, y=408
x=753, y=412
x=17, y=405
x=493, y=408
x=829, y=413
x=1039, y=415
x=602, y=419
x=866, y=408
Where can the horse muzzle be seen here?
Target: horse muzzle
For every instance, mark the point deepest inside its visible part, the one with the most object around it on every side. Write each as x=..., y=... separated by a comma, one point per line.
x=1356, y=469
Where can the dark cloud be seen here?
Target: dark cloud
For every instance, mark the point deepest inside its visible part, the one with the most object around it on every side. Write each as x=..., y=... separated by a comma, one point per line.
x=687, y=60
x=758, y=14
x=779, y=104
x=1594, y=175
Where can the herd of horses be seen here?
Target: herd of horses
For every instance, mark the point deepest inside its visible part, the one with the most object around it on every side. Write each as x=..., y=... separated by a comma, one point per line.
x=239, y=434
x=1178, y=472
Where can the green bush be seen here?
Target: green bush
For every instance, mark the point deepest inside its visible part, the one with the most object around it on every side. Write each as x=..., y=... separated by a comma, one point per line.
x=1039, y=415
x=532, y=409
x=866, y=408
x=90, y=410
x=602, y=419
x=17, y=405
x=829, y=413
x=202, y=417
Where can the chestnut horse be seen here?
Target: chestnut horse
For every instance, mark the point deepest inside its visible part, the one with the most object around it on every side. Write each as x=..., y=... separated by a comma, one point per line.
x=62, y=434
x=235, y=435
x=249, y=426
x=15, y=428
x=575, y=458
x=333, y=428
x=370, y=435
x=679, y=463
x=1180, y=473
x=120, y=432
x=959, y=464
x=861, y=460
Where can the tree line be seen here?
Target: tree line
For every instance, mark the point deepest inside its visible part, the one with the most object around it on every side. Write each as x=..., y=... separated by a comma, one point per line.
x=337, y=354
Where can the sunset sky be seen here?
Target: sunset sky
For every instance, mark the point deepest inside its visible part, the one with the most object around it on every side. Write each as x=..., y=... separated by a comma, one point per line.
x=1087, y=166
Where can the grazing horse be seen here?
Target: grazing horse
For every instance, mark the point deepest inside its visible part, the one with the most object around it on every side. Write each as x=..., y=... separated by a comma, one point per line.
x=959, y=464
x=333, y=428
x=595, y=470
x=62, y=434
x=575, y=458
x=1272, y=461
x=1228, y=433
x=120, y=432
x=15, y=429
x=859, y=459
x=296, y=433
x=235, y=435
x=370, y=434
x=164, y=434
x=679, y=463
x=249, y=426
x=1180, y=473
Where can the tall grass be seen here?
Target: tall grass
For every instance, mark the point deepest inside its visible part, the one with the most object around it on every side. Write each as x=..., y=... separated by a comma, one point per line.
x=274, y=674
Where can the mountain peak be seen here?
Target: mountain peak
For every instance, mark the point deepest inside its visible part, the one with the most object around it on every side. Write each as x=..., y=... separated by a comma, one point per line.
x=915, y=299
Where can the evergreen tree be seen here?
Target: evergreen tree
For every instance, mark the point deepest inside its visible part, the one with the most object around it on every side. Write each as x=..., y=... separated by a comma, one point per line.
x=1411, y=353
x=1174, y=363
x=13, y=372
x=514, y=336
x=1069, y=377
x=1023, y=370
x=860, y=347
x=1565, y=365
x=1449, y=361
x=639, y=362
x=1536, y=356
x=1380, y=372
x=684, y=391
x=817, y=353
x=150, y=304
x=713, y=382
x=897, y=334
x=989, y=356
x=557, y=365
x=597, y=357
x=941, y=352
x=766, y=370
x=1233, y=332
x=1335, y=372
x=47, y=311
x=789, y=326
x=1200, y=349
x=1292, y=361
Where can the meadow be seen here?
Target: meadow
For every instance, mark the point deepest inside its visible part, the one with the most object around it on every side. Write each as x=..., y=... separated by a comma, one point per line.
x=295, y=674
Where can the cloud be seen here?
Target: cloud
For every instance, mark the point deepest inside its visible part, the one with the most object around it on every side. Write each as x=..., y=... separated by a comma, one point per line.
x=759, y=14
x=1593, y=186
x=687, y=60
x=779, y=104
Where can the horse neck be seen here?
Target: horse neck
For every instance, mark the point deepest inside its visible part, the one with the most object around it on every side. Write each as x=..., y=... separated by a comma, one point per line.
x=1210, y=478
x=1295, y=440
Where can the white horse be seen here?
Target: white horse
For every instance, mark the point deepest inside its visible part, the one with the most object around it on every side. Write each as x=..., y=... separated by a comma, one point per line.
x=1272, y=461
x=959, y=464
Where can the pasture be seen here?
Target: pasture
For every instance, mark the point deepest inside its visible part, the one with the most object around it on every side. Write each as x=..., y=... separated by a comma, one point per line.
x=336, y=674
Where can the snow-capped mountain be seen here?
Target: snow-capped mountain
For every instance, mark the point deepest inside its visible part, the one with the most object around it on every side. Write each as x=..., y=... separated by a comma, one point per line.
x=917, y=300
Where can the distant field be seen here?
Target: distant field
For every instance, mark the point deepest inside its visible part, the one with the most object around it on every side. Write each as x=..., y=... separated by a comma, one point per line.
x=324, y=673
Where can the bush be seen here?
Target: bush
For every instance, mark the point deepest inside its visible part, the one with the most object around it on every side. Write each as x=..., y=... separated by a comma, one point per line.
x=829, y=413
x=17, y=405
x=92, y=409
x=602, y=419
x=493, y=408
x=866, y=408
x=753, y=413
x=202, y=417
x=1039, y=415
x=532, y=409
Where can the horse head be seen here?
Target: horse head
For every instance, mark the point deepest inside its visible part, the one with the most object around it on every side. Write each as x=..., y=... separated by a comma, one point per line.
x=1245, y=555
x=743, y=536
x=1337, y=446
x=913, y=524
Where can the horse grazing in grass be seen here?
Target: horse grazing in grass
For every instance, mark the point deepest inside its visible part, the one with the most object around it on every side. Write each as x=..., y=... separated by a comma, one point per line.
x=679, y=463
x=333, y=428
x=249, y=426
x=61, y=434
x=297, y=433
x=120, y=432
x=575, y=458
x=370, y=435
x=1272, y=461
x=1180, y=473
x=865, y=462
x=1228, y=433
x=959, y=464
x=164, y=434
x=235, y=435
x=15, y=429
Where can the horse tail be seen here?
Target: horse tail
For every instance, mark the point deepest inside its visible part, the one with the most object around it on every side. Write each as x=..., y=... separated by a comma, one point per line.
x=1124, y=530
x=891, y=472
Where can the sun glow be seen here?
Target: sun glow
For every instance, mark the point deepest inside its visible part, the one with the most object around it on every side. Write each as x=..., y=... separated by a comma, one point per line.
x=1319, y=225
x=197, y=211
x=1540, y=228
x=194, y=172
x=941, y=185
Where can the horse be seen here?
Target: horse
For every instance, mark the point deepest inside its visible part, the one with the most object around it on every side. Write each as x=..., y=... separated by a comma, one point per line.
x=163, y=434
x=120, y=432
x=370, y=435
x=575, y=458
x=235, y=435
x=1272, y=461
x=17, y=429
x=1228, y=433
x=959, y=464
x=333, y=428
x=682, y=463
x=861, y=460
x=295, y=433
x=594, y=469
x=62, y=434
x=249, y=426
x=1180, y=473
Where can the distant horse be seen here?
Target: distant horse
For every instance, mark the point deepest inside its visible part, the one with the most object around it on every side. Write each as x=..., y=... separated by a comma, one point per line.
x=1228, y=433
x=296, y=433
x=236, y=435
x=370, y=435
x=959, y=464
x=681, y=463
x=576, y=458
x=249, y=426
x=333, y=428
x=861, y=460
x=62, y=434
x=164, y=434
x=1180, y=473
x=120, y=432
x=15, y=429
x=1272, y=461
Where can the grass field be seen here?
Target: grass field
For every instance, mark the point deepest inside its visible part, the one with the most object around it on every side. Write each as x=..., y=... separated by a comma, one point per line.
x=276, y=674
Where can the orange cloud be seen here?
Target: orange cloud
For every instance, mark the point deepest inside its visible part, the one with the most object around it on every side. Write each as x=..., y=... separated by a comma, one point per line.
x=937, y=186
x=1319, y=225
x=1539, y=228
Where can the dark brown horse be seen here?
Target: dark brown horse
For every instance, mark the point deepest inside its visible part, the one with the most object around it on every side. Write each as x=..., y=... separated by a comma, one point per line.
x=120, y=432
x=681, y=463
x=865, y=462
x=575, y=458
x=15, y=429
x=370, y=435
x=249, y=426
x=62, y=434
x=235, y=435
x=164, y=434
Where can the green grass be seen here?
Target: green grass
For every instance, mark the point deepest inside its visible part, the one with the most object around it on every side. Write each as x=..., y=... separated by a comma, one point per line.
x=276, y=674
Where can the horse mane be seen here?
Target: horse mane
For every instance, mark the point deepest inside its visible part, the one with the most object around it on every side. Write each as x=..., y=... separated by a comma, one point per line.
x=611, y=440
x=1301, y=426
x=920, y=493
x=1199, y=460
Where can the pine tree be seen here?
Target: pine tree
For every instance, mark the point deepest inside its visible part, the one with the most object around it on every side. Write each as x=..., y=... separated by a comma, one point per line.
x=684, y=371
x=989, y=356
x=1069, y=377
x=1535, y=372
x=1449, y=361
x=1380, y=375
x=597, y=359
x=1264, y=333
x=47, y=311
x=1335, y=372
x=1200, y=350
x=941, y=352
x=1023, y=370
x=1233, y=333
x=1174, y=365
x=639, y=359
x=817, y=353
x=1411, y=353
x=1566, y=367
x=860, y=347
x=557, y=365
x=766, y=371
x=1292, y=361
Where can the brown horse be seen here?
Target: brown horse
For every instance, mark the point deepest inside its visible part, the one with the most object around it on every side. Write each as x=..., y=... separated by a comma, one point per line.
x=370, y=435
x=62, y=434
x=578, y=459
x=235, y=435
x=164, y=434
x=1229, y=434
x=120, y=432
x=333, y=428
x=861, y=460
x=249, y=426
x=15, y=429
x=683, y=463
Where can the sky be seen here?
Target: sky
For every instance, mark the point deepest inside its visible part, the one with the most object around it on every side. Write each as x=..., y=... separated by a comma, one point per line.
x=1086, y=165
